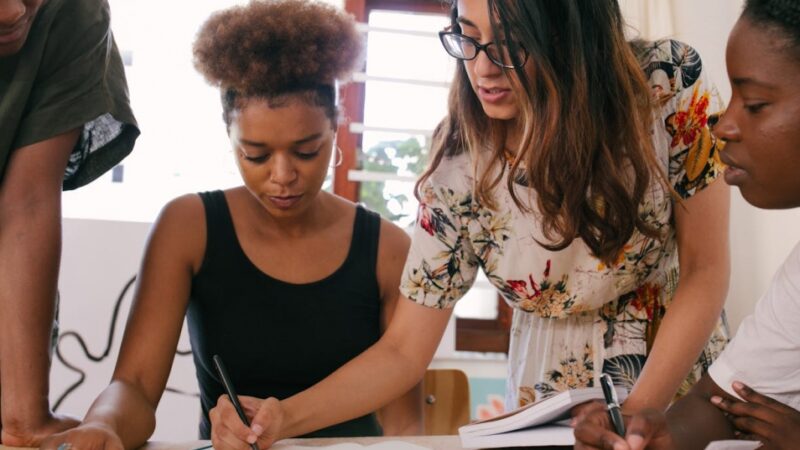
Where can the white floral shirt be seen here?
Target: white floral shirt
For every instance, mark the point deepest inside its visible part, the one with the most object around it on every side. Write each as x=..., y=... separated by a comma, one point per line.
x=574, y=317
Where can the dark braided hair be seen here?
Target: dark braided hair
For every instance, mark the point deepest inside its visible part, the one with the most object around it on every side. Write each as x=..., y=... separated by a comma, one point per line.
x=781, y=15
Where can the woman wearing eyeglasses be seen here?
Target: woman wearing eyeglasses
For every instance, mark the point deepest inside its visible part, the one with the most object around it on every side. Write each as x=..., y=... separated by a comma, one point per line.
x=577, y=171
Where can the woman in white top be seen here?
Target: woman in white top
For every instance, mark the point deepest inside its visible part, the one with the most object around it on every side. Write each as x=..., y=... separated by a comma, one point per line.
x=753, y=389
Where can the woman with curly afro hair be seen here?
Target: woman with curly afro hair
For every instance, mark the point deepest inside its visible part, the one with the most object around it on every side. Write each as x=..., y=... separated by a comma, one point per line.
x=285, y=281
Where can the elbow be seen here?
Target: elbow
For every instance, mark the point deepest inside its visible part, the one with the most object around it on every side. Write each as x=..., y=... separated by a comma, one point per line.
x=405, y=356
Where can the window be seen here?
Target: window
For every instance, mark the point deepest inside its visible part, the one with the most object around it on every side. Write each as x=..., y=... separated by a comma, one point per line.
x=184, y=146
x=392, y=110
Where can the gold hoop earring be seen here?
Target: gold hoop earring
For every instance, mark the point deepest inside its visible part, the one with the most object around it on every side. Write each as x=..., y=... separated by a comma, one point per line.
x=339, y=157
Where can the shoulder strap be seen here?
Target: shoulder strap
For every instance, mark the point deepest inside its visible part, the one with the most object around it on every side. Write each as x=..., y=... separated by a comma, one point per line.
x=219, y=225
x=366, y=234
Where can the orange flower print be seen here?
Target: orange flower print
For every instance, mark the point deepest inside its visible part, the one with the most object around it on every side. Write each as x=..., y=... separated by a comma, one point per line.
x=527, y=395
x=685, y=124
x=646, y=299
x=623, y=253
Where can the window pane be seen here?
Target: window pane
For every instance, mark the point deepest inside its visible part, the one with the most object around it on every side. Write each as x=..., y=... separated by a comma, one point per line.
x=391, y=155
x=184, y=146
x=480, y=302
x=416, y=106
x=413, y=106
x=403, y=55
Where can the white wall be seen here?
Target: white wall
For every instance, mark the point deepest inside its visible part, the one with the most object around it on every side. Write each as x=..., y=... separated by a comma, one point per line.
x=98, y=259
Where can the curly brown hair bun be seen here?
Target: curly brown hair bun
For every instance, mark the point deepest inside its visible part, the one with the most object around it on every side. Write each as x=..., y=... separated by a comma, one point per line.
x=271, y=47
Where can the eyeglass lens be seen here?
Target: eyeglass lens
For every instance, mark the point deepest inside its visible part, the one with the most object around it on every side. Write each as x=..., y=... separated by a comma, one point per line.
x=463, y=47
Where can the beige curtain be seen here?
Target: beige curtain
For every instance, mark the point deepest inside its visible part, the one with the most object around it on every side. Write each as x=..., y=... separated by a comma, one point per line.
x=649, y=19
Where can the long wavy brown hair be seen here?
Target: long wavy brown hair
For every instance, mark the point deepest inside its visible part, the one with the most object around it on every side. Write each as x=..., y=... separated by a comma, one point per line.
x=586, y=115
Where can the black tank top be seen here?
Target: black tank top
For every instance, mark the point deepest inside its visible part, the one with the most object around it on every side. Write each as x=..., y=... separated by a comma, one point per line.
x=278, y=338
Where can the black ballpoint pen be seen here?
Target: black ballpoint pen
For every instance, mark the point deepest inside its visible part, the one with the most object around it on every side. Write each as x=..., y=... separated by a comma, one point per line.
x=612, y=403
x=226, y=382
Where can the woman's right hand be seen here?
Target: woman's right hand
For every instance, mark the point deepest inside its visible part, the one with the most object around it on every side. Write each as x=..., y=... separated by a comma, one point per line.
x=646, y=429
x=85, y=436
x=228, y=432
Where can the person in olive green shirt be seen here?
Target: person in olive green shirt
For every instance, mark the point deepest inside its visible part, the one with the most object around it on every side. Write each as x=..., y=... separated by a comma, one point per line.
x=65, y=119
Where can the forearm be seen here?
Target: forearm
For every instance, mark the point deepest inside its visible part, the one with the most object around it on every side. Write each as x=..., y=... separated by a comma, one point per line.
x=694, y=422
x=123, y=408
x=403, y=416
x=365, y=384
x=30, y=248
x=684, y=331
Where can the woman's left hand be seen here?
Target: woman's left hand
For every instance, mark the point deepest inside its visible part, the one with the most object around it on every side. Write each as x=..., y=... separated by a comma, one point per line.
x=228, y=432
x=770, y=421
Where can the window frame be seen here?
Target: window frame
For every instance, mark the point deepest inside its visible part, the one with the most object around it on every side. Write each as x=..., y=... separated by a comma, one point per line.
x=478, y=335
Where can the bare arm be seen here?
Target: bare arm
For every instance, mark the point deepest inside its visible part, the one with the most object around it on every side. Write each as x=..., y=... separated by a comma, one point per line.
x=384, y=371
x=123, y=416
x=403, y=416
x=30, y=251
x=702, y=231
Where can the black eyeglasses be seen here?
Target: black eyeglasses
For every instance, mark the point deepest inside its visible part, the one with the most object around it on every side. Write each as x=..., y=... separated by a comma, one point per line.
x=465, y=48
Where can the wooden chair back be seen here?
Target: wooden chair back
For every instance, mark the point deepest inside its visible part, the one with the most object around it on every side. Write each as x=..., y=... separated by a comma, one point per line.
x=446, y=401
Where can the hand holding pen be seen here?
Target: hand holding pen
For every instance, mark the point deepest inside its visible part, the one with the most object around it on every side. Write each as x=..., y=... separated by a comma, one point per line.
x=231, y=391
x=230, y=426
x=600, y=425
x=612, y=403
x=229, y=432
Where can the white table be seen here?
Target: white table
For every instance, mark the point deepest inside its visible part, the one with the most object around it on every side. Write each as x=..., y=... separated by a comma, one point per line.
x=431, y=442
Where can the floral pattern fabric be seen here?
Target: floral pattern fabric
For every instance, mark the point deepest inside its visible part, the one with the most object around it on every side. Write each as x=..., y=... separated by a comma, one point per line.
x=574, y=316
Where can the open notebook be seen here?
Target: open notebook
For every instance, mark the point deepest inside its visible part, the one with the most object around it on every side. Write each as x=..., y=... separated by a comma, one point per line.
x=536, y=424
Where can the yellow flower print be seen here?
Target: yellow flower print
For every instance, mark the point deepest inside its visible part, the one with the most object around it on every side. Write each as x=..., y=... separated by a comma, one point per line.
x=689, y=127
x=527, y=395
x=527, y=305
x=574, y=372
x=623, y=253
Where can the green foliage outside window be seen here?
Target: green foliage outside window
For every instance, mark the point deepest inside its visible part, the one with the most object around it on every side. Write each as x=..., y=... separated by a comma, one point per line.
x=404, y=157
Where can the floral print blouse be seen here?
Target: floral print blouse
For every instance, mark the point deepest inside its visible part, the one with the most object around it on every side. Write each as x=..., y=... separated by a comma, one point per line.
x=574, y=317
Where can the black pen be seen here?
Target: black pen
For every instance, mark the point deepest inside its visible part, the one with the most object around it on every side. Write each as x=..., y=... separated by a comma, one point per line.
x=612, y=403
x=226, y=382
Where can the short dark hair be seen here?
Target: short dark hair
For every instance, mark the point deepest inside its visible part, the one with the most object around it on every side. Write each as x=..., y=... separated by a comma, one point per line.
x=781, y=15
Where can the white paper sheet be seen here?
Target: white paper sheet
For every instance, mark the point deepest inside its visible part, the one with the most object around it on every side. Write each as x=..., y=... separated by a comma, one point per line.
x=733, y=445
x=388, y=445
